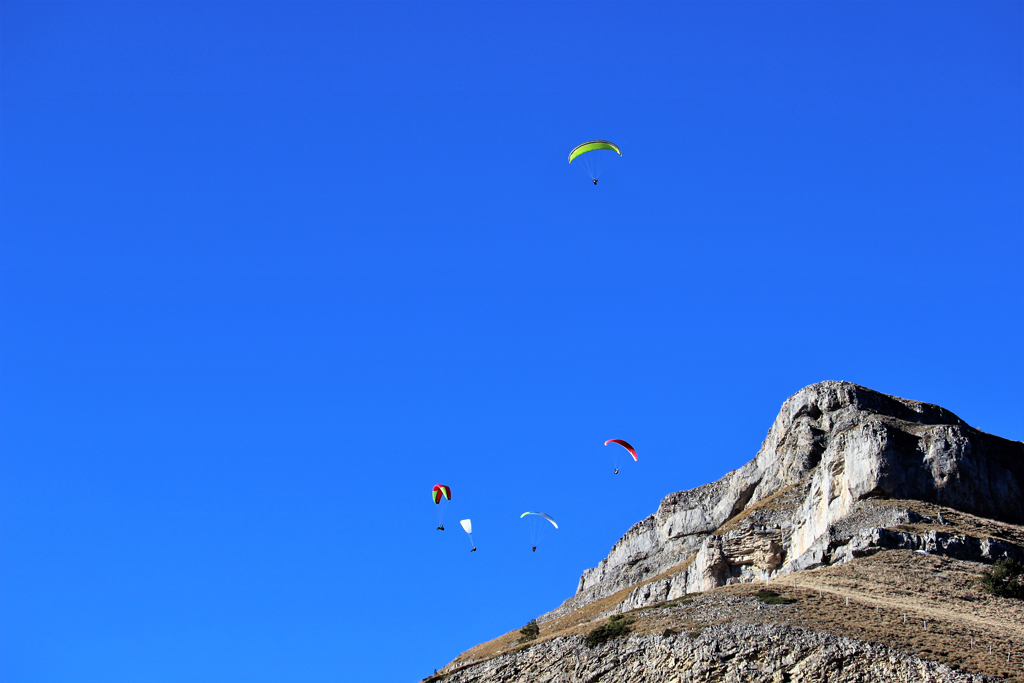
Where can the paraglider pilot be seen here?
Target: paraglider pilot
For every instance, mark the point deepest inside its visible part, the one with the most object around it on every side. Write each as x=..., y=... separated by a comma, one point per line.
x=595, y=181
x=615, y=472
x=534, y=548
x=441, y=528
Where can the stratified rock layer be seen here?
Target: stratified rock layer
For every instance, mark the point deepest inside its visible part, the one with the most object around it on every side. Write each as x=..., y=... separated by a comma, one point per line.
x=765, y=653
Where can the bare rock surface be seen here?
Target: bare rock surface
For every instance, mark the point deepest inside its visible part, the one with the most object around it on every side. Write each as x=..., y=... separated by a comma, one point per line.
x=729, y=652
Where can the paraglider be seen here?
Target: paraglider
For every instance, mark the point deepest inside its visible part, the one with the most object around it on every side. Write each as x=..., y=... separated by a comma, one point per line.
x=467, y=526
x=632, y=451
x=593, y=164
x=537, y=526
x=440, y=495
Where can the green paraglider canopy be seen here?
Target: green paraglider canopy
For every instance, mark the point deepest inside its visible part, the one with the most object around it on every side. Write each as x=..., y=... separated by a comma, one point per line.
x=591, y=146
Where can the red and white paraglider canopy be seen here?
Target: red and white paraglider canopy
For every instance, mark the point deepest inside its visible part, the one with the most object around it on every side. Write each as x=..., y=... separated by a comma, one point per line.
x=632, y=451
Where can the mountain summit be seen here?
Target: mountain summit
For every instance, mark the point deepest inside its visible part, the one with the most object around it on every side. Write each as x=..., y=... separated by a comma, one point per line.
x=847, y=479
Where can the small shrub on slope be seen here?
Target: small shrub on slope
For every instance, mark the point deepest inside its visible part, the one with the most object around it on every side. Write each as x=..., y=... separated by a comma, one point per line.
x=773, y=598
x=1005, y=580
x=529, y=632
x=616, y=627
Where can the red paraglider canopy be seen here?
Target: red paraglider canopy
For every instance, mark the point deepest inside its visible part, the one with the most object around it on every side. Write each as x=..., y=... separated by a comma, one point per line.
x=441, y=490
x=625, y=445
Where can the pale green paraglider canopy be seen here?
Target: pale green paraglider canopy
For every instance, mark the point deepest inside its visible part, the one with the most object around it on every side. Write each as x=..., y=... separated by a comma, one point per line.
x=591, y=146
x=553, y=522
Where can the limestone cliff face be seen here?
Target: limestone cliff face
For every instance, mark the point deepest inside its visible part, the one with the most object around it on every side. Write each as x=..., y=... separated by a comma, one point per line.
x=834, y=448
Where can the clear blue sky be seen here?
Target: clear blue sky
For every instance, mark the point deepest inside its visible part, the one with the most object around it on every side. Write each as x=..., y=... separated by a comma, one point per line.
x=270, y=271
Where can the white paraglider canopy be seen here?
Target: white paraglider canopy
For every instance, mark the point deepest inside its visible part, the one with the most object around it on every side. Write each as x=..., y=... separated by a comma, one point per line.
x=467, y=526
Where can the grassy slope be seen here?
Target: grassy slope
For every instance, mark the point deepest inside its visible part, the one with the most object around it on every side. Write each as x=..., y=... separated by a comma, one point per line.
x=880, y=590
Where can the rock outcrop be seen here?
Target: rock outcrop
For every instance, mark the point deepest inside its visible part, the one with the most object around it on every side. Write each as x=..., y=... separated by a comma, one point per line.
x=833, y=449
x=758, y=653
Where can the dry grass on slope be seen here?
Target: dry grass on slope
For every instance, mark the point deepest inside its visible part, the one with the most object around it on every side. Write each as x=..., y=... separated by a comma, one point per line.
x=577, y=622
x=926, y=588
x=865, y=599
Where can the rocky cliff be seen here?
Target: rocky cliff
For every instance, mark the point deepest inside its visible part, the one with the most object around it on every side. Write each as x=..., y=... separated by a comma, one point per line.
x=834, y=449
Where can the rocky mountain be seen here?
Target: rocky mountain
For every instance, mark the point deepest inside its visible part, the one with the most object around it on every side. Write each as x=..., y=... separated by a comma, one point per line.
x=844, y=473
x=833, y=449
